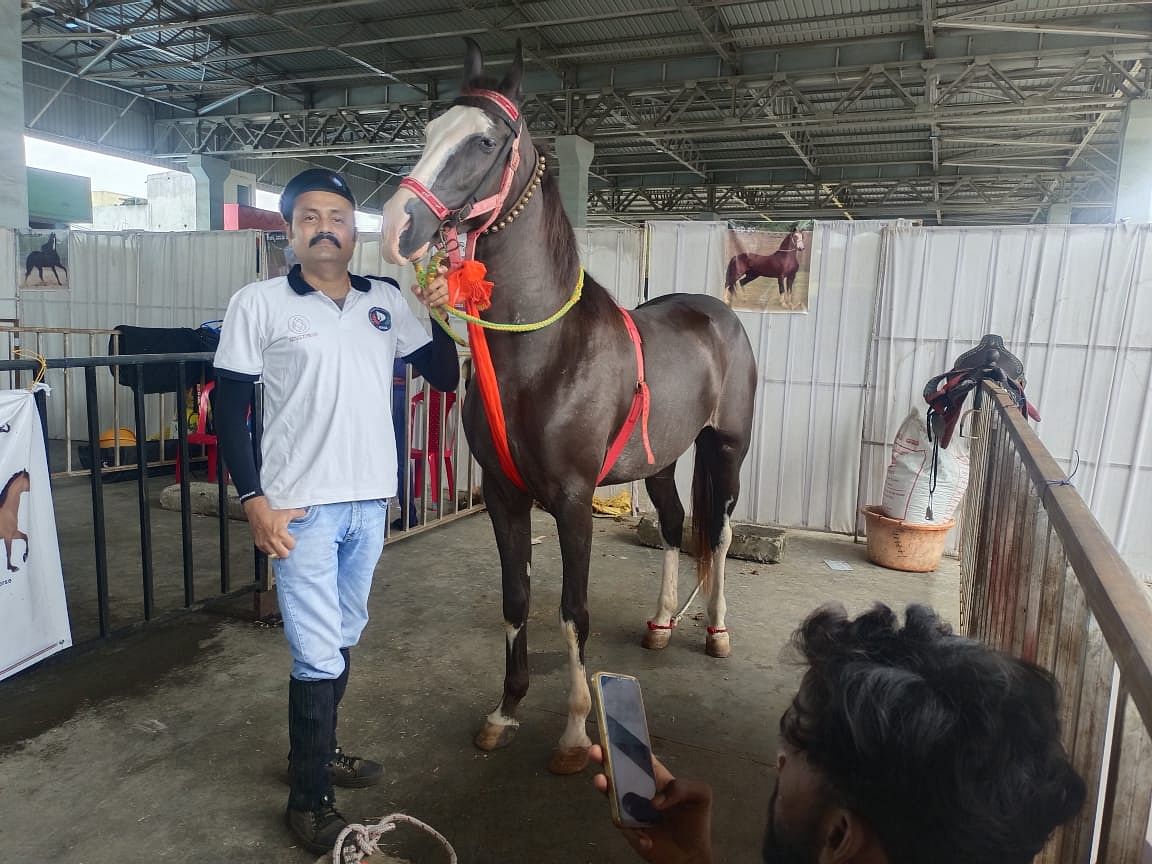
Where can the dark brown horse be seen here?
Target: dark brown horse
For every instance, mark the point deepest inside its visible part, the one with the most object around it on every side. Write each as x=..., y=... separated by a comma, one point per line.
x=782, y=264
x=567, y=389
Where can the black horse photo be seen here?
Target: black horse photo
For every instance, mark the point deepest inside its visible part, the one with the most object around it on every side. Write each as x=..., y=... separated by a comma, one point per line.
x=46, y=256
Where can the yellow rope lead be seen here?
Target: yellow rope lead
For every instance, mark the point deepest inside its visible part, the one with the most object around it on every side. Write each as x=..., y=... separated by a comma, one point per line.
x=512, y=328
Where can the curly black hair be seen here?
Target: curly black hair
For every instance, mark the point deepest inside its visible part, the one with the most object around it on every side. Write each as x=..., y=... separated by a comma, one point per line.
x=949, y=750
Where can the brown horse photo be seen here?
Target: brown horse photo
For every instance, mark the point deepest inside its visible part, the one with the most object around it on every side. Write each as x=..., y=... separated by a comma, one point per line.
x=763, y=281
x=10, y=531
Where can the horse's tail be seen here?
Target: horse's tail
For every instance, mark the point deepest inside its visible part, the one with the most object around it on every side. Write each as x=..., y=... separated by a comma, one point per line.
x=736, y=268
x=705, y=526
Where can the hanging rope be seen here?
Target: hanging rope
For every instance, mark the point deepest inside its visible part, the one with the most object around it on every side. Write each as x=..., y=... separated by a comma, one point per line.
x=23, y=352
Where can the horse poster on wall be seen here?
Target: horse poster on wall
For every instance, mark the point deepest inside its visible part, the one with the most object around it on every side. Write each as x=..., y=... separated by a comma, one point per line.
x=767, y=271
x=33, y=608
x=43, y=259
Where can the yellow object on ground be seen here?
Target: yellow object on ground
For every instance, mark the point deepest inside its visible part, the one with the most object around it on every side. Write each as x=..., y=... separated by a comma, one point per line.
x=618, y=505
x=108, y=437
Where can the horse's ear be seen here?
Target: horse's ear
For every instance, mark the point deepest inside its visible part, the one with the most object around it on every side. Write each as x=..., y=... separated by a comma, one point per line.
x=510, y=83
x=473, y=63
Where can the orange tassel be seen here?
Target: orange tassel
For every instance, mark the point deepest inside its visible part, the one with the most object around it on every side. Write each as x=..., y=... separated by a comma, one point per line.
x=467, y=285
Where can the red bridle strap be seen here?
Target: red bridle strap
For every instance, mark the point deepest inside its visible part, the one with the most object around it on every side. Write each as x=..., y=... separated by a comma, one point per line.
x=502, y=102
x=427, y=196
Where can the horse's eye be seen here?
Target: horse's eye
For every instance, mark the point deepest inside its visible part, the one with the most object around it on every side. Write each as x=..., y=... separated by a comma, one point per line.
x=487, y=144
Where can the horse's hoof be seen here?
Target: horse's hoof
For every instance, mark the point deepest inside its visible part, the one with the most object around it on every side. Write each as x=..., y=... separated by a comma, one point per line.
x=494, y=736
x=718, y=645
x=654, y=640
x=568, y=760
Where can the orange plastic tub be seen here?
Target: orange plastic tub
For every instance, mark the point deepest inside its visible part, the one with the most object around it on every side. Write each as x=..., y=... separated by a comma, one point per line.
x=901, y=545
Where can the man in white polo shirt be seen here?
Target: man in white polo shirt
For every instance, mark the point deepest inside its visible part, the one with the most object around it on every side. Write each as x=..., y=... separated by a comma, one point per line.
x=322, y=342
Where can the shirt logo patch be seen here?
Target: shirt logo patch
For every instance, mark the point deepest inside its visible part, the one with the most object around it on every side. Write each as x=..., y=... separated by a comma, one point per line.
x=381, y=319
x=298, y=324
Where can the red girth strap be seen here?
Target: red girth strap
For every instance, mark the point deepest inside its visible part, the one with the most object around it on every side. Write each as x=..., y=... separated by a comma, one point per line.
x=641, y=403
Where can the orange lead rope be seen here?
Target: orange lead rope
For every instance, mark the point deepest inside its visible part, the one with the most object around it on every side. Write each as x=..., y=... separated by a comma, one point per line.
x=467, y=285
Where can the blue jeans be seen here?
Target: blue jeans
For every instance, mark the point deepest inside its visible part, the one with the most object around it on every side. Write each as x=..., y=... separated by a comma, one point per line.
x=323, y=585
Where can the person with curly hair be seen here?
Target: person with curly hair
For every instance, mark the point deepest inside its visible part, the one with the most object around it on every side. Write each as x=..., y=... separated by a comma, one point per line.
x=905, y=744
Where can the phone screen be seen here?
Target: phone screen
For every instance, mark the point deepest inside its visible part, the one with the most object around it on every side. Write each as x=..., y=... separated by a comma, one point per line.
x=625, y=736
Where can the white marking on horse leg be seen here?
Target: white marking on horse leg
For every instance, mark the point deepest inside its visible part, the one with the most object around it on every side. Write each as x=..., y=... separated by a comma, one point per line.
x=717, y=607
x=498, y=717
x=579, y=699
x=669, y=575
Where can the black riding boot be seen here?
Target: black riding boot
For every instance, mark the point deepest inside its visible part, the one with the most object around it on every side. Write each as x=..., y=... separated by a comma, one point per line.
x=311, y=813
x=350, y=772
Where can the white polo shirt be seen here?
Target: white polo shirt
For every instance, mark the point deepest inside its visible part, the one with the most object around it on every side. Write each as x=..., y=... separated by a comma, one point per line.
x=327, y=375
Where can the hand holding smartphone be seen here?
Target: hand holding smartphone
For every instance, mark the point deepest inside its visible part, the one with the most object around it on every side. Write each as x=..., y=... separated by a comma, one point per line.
x=627, y=749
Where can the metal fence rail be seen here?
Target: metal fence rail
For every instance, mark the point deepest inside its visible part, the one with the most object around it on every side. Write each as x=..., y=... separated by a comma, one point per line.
x=430, y=504
x=1042, y=581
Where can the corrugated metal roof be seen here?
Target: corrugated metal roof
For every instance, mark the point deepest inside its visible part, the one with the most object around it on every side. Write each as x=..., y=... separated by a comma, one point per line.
x=661, y=84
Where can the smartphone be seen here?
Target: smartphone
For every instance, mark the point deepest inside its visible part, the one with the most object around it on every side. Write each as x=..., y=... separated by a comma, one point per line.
x=627, y=749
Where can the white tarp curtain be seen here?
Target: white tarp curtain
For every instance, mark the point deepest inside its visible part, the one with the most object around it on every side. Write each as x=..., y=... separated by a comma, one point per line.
x=614, y=257
x=8, y=276
x=147, y=279
x=802, y=467
x=686, y=257
x=1075, y=304
x=33, y=607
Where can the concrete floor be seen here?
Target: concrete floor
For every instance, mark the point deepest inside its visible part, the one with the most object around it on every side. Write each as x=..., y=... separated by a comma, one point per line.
x=168, y=744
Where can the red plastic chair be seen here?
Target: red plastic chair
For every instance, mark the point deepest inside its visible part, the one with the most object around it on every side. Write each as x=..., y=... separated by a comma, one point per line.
x=201, y=437
x=417, y=454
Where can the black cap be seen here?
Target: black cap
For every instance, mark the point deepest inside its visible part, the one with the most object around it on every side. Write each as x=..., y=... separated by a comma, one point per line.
x=313, y=180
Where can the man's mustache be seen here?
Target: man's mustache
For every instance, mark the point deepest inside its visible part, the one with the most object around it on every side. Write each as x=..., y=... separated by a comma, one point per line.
x=324, y=235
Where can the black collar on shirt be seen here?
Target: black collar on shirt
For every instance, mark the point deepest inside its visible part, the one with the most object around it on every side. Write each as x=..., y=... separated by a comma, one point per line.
x=300, y=284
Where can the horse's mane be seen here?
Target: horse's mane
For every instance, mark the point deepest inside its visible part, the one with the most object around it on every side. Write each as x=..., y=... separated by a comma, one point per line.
x=8, y=485
x=559, y=237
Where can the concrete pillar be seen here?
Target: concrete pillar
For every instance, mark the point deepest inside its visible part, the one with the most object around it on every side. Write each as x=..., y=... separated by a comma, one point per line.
x=240, y=188
x=210, y=174
x=1060, y=214
x=13, y=175
x=708, y=217
x=1134, y=185
x=574, y=155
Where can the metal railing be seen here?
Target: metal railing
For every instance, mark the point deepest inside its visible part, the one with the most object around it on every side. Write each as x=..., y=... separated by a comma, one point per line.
x=72, y=342
x=1042, y=581
x=435, y=505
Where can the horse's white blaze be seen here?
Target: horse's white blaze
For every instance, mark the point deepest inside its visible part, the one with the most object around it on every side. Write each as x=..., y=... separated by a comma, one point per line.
x=444, y=136
x=579, y=699
x=717, y=606
x=669, y=575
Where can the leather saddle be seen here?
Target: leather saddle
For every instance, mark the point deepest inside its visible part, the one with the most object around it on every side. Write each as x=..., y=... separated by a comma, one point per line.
x=946, y=393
